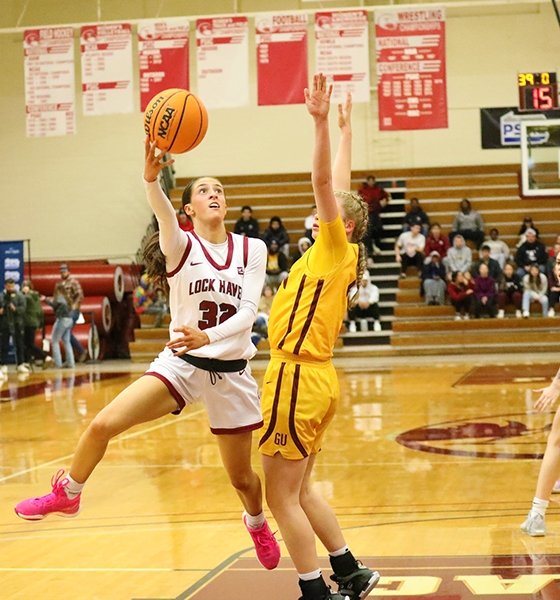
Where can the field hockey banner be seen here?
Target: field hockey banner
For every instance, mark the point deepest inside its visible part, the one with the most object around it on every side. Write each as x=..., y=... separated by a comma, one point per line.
x=222, y=52
x=163, y=55
x=106, y=52
x=11, y=262
x=341, y=52
x=412, y=86
x=281, y=58
x=50, y=96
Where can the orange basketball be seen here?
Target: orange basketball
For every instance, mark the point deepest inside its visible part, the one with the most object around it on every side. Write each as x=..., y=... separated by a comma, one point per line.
x=176, y=120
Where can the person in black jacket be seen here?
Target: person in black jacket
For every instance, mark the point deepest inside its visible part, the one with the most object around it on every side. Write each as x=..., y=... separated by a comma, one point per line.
x=12, y=310
x=246, y=224
x=416, y=216
x=277, y=231
x=530, y=252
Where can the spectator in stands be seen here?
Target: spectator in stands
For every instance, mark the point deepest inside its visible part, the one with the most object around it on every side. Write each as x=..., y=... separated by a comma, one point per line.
x=308, y=224
x=12, y=311
x=184, y=221
x=484, y=293
x=510, y=289
x=150, y=301
x=433, y=279
x=553, y=250
x=553, y=287
x=535, y=286
x=529, y=253
x=459, y=256
x=415, y=215
x=499, y=250
x=552, y=254
x=409, y=249
x=468, y=223
x=33, y=319
x=436, y=241
x=247, y=224
x=303, y=245
x=276, y=231
x=527, y=224
x=276, y=265
x=76, y=296
x=376, y=198
x=367, y=307
x=460, y=291
x=260, y=328
x=61, y=303
x=494, y=269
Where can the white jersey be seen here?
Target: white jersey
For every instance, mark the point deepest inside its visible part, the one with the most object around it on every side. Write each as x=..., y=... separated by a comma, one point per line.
x=207, y=289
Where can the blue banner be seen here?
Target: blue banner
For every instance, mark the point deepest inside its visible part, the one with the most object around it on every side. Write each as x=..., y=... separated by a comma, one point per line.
x=11, y=262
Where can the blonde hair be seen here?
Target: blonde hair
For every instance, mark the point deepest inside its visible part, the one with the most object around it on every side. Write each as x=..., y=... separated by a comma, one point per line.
x=356, y=210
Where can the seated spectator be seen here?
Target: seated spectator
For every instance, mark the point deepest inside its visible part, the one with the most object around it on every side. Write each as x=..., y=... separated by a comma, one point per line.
x=409, y=249
x=535, y=286
x=276, y=265
x=468, y=223
x=436, y=241
x=529, y=253
x=260, y=327
x=277, y=232
x=494, y=269
x=554, y=286
x=308, y=224
x=459, y=256
x=415, y=215
x=552, y=251
x=484, y=293
x=460, y=291
x=509, y=291
x=527, y=224
x=367, y=307
x=552, y=254
x=303, y=245
x=499, y=250
x=433, y=279
x=185, y=222
x=246, y=224
x=376, y=198
x=148, y=301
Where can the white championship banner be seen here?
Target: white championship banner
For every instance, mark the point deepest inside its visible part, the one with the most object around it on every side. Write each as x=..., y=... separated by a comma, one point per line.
x=222, y=51
x=341, y=52
x=163, y=56
x=106, y=68
x=50, y=97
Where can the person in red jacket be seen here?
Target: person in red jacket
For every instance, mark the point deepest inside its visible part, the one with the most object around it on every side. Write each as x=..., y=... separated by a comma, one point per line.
x=460, y=291
x=436, y=240
x=376, y=198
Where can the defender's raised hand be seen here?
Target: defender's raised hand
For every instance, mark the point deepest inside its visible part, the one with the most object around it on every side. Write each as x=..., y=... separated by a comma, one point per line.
x=318, y=99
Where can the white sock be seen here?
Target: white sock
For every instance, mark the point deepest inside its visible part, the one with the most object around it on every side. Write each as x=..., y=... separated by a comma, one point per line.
x=73, y=488
x=255, y=522
x=340, y=551
x=539, y=506
x=310, y=576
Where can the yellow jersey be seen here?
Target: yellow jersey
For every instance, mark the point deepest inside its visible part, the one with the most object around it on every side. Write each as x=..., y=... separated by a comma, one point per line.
x=309, y=306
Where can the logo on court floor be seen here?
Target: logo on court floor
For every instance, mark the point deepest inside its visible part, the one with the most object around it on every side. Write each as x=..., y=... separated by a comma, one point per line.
x=518, y=435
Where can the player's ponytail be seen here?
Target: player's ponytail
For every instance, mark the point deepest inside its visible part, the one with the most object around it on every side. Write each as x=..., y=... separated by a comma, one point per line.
x=154, y=261
x=356, y=210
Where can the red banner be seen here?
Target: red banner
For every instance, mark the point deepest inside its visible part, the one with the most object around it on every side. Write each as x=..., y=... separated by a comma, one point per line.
x=281, y=58
x=412, y=87
x=163, y=52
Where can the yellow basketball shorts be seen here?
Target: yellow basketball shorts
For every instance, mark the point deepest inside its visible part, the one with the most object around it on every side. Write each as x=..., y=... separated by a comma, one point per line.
x=298, y=402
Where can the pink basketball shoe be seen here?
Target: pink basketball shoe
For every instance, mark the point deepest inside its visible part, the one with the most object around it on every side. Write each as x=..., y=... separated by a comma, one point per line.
x=266, y=546
x=57, y=502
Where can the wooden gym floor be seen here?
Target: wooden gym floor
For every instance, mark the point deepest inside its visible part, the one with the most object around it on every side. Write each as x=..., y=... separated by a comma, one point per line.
x=430, y=465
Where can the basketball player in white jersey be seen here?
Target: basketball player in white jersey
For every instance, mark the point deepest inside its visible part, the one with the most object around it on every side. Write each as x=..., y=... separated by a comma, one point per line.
x=215, y=280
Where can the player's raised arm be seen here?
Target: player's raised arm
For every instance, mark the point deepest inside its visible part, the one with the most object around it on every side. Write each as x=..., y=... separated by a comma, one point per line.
x=342, y=166
x=317, y=101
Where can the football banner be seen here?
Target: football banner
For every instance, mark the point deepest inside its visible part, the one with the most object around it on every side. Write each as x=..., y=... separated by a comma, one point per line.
x=222, y=51
x=106, y=51
x=163, y=53
x=341, y=52
x=412, y=87
x=281, y=58
x=50, y=97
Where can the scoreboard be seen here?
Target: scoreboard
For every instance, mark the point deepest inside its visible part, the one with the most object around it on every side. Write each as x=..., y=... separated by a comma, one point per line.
x=537, y=91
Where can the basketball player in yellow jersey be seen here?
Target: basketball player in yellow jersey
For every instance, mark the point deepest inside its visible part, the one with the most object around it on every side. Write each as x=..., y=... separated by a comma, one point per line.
x=300, y=390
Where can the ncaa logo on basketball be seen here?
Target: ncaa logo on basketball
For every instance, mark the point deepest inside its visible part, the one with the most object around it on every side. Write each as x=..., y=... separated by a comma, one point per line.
x=166, y=120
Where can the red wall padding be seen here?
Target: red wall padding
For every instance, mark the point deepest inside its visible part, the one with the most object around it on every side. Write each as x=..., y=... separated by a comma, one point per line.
x=97, y=306
x=86, y=334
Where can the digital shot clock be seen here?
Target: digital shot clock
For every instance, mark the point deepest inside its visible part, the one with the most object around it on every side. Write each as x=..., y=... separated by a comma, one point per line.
x=537, y=91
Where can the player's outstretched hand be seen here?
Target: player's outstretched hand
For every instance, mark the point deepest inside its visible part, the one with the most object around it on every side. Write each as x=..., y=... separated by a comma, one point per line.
x=190, y=340
x=153, y=162
x=547, y=398
x=345, y=114
x=319, y=98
